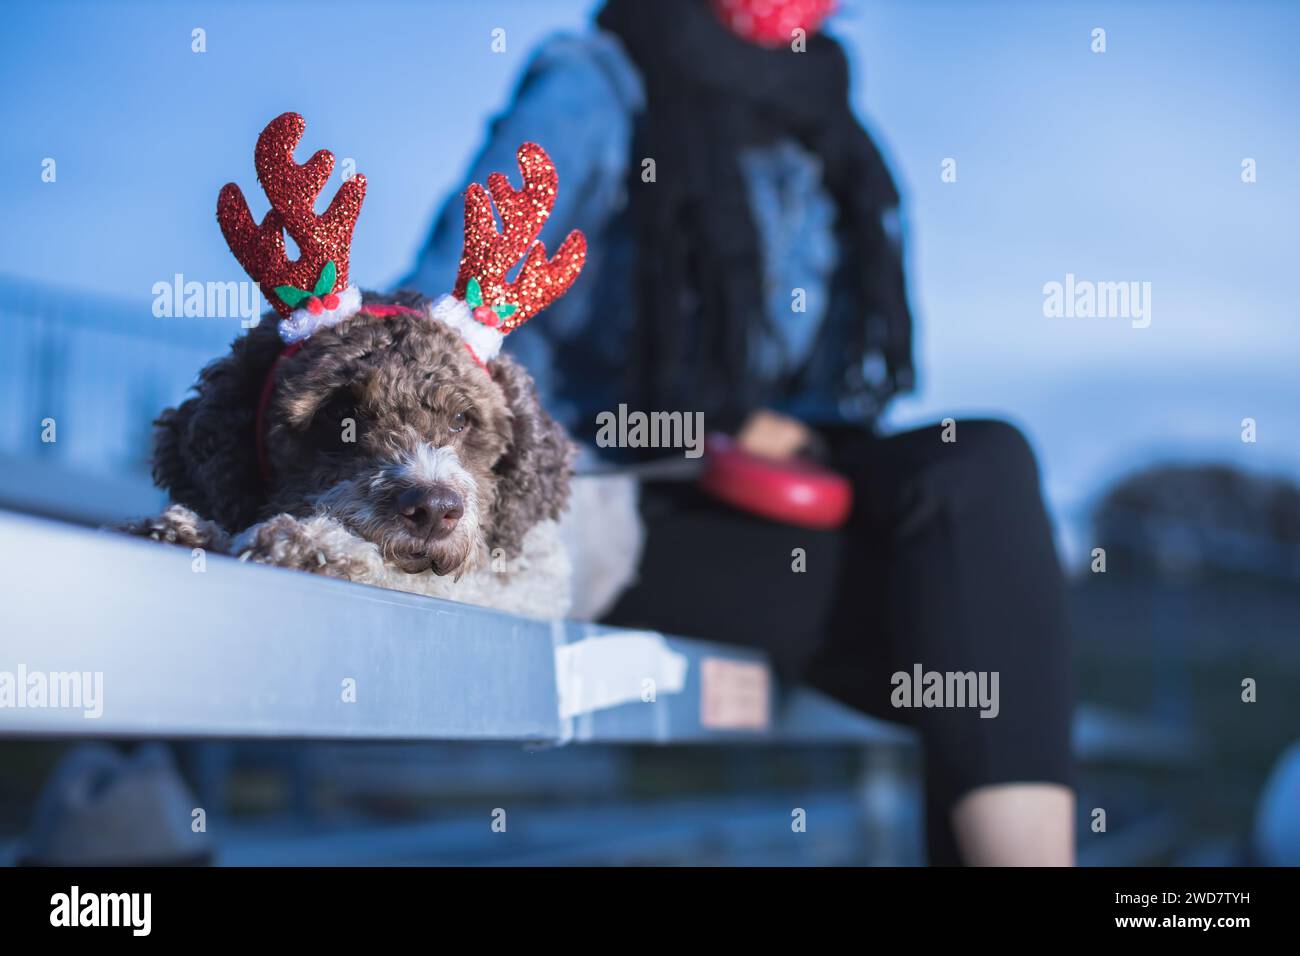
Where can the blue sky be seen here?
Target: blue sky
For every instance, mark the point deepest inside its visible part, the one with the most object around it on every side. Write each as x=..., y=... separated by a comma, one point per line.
x=1120, y=166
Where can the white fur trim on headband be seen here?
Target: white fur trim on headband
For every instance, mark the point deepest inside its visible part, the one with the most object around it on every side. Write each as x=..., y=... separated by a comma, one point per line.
x=302, y=324
x=483, y=340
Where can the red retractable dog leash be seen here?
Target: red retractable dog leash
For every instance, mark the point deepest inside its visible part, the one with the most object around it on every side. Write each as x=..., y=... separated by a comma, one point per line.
x=796, y=491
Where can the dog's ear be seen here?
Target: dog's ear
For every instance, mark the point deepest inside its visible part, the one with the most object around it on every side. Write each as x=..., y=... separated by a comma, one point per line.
x=205, y=451
x=534, y=472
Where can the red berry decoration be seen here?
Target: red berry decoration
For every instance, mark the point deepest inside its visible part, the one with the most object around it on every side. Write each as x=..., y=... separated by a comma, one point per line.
x=487, y=316
x=314, y=306
x=330, y=301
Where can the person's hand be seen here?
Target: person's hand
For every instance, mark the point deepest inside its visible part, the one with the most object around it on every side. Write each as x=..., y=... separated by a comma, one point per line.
x=773, y=435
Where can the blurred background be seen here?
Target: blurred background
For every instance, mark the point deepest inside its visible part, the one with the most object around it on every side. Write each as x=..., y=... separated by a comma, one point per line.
x=1117, y=166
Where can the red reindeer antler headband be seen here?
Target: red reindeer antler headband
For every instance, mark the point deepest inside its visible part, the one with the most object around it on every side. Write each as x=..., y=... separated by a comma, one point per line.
x=485, y=308
x=313, y=292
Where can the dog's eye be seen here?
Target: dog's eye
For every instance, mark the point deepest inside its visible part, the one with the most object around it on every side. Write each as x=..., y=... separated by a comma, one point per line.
x=337, y=420
x=459, y=422
x=342, y=405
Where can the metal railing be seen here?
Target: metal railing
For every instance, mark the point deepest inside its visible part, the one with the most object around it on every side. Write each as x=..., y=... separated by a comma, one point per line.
x=97, y=370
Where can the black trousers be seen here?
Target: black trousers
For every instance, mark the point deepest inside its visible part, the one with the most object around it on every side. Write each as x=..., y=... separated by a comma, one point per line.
x=947, y=562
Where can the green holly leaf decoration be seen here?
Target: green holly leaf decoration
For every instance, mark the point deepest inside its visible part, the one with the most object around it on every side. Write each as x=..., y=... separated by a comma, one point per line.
x=505, y=310
x=473, y=294
x=291, y=296
x=325, y=284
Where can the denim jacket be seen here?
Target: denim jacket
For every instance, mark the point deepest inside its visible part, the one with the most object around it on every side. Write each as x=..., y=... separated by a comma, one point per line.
x=579, y=98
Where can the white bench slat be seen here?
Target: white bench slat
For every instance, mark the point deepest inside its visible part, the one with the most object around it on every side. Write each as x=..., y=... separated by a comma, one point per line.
x=243, y=651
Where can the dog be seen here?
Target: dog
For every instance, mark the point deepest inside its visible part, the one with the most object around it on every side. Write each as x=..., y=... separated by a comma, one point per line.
x=379, y=439
x=397, y=462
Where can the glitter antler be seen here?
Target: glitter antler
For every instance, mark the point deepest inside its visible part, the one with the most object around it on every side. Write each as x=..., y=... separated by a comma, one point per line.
x=321, y=269
x=489, y=254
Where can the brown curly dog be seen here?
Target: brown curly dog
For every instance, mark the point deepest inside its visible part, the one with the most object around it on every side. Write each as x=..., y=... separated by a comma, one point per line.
x=388, y=455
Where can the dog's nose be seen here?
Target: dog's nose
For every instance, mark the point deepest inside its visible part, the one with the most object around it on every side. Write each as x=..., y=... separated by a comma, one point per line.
x=430, y=511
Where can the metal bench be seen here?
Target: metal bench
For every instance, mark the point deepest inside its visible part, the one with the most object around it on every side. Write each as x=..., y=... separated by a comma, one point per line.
x=241, y=651
x=237, y=652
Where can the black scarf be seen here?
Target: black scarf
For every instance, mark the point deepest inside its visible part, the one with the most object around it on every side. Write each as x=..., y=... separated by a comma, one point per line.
x=699, y=296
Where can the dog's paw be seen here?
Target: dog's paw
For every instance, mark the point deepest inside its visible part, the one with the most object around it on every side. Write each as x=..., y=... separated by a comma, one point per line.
x=180, y=526
x=312, y=545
